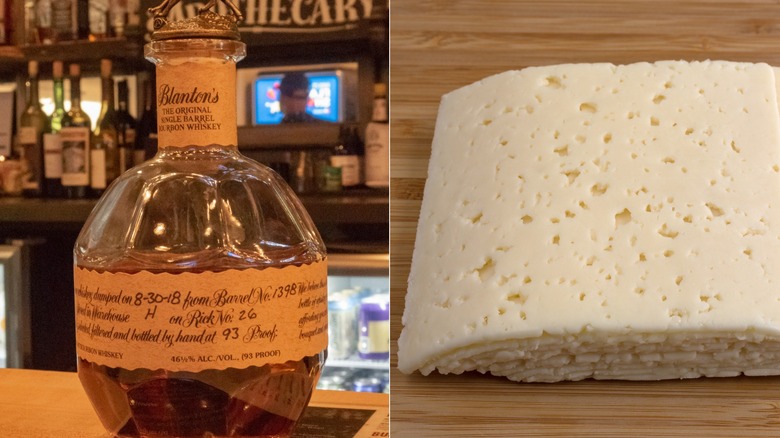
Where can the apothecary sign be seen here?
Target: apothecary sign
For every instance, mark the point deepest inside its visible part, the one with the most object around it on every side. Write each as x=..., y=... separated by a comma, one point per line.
x=288, y=16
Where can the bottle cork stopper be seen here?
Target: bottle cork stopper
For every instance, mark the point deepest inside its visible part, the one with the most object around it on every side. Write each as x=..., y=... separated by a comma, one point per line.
x=32, y=68
x=105, y=68
x=56, y=69
x=380, y=89
x=74, y=70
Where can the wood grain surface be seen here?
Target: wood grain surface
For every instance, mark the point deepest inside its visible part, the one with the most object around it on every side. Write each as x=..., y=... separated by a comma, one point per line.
x=440, y=45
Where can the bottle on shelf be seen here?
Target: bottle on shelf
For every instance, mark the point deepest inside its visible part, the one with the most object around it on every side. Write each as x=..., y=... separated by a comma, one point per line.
x=63, y=23
x=104, y=153
x=378, y=142
x=32, y=124
x=52, y=144
x=43, y=13
x=98, y=20
x=146, y=133
x=193, y=220
x=126, y=133
x=6, y=22
x=117, y=17
x=348, y=156
x=76, y=136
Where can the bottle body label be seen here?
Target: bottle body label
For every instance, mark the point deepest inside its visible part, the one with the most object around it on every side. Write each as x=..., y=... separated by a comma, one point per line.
x=97, y=173
x=196, y=103
x=30, y=145
x=377, y=155
x=52, y=156
x=197, y=321
x=350, y=169
x=75, y=156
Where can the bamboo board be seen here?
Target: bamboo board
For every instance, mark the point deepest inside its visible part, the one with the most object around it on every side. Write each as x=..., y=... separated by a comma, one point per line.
x=440, y=45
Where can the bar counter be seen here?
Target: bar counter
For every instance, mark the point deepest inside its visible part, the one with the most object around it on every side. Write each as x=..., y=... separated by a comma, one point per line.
x=49, y=404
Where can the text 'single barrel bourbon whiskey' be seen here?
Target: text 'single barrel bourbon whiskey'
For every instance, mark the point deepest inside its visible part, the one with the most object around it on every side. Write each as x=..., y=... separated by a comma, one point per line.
x=200, y=280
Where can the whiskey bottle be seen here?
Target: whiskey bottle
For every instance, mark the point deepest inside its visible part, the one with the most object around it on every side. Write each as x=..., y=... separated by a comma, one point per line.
x=200, y=280
x=32, y=124
x=75, y=136
x=104, y=154
x=378, y=142
x=126, y=133
x=52, y=144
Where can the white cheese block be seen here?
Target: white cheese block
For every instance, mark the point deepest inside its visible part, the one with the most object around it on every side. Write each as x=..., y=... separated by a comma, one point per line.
x=601, y=221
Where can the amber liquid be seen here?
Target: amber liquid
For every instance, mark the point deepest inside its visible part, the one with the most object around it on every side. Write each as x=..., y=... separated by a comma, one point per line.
x=147, y=403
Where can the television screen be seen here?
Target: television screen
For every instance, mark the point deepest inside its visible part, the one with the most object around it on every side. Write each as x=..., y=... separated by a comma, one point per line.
x=324, y=101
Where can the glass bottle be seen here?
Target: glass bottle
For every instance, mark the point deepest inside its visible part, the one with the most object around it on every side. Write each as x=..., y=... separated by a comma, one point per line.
x=52, y=144
x=378, y=142
x=75, y=135
x=195, y=269
x=32, y=124
x=104, y=154
x=347, y=155
x=126, y=124
x=43, y=14
x=62, y=20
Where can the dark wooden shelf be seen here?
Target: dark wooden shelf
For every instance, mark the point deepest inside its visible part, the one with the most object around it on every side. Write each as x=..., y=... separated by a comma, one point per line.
x=358, y=207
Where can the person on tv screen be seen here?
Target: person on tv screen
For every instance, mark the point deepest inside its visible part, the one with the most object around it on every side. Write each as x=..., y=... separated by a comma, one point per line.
x=293, y=98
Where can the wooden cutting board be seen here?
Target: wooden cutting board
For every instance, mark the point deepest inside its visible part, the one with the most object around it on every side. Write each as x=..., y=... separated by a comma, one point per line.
x=440, y=45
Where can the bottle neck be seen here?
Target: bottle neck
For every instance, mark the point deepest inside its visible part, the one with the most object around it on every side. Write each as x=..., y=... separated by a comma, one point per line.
x=196, y=103
x=59, y=95
x=75, y=93
x=196, y=92
x=107, y=103
x=32, y=98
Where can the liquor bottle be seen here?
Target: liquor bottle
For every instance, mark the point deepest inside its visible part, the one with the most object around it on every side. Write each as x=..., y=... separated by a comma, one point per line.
x=32, y=124
x=126, y=125
x=104, y=153
x=6, y=22
x=75, y=135
x=43, y=21
x=117, y=17
x=378, y=142
x=52, y=144
x=98, y=20
x=200, y=280
x=347, y=156
x=63, y=24
x=146, y=134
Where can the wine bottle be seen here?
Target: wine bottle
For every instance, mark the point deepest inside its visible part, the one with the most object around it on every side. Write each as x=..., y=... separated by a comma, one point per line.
x=378, y=142
x=199, y=230
x=75, y=135
x=104, y=154
x=146, y=134
x=32, y=124
x=347, y=156
x=52, y=144
x=126, y=134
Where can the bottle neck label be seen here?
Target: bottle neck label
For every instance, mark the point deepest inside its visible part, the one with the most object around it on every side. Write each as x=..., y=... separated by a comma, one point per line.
x=196, y=103
x=193, y=321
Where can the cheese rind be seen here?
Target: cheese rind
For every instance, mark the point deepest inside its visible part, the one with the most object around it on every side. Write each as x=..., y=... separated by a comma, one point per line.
x=600, y=202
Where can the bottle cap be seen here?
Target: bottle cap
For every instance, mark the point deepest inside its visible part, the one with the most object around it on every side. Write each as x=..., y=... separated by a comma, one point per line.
x=380, y=89
x=74, y=70
x=105, y=68
x=206, y=24
x=56, y=69
x=32, y=68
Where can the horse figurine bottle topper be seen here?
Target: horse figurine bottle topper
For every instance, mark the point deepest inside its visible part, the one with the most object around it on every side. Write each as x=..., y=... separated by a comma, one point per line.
x=161, y=11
